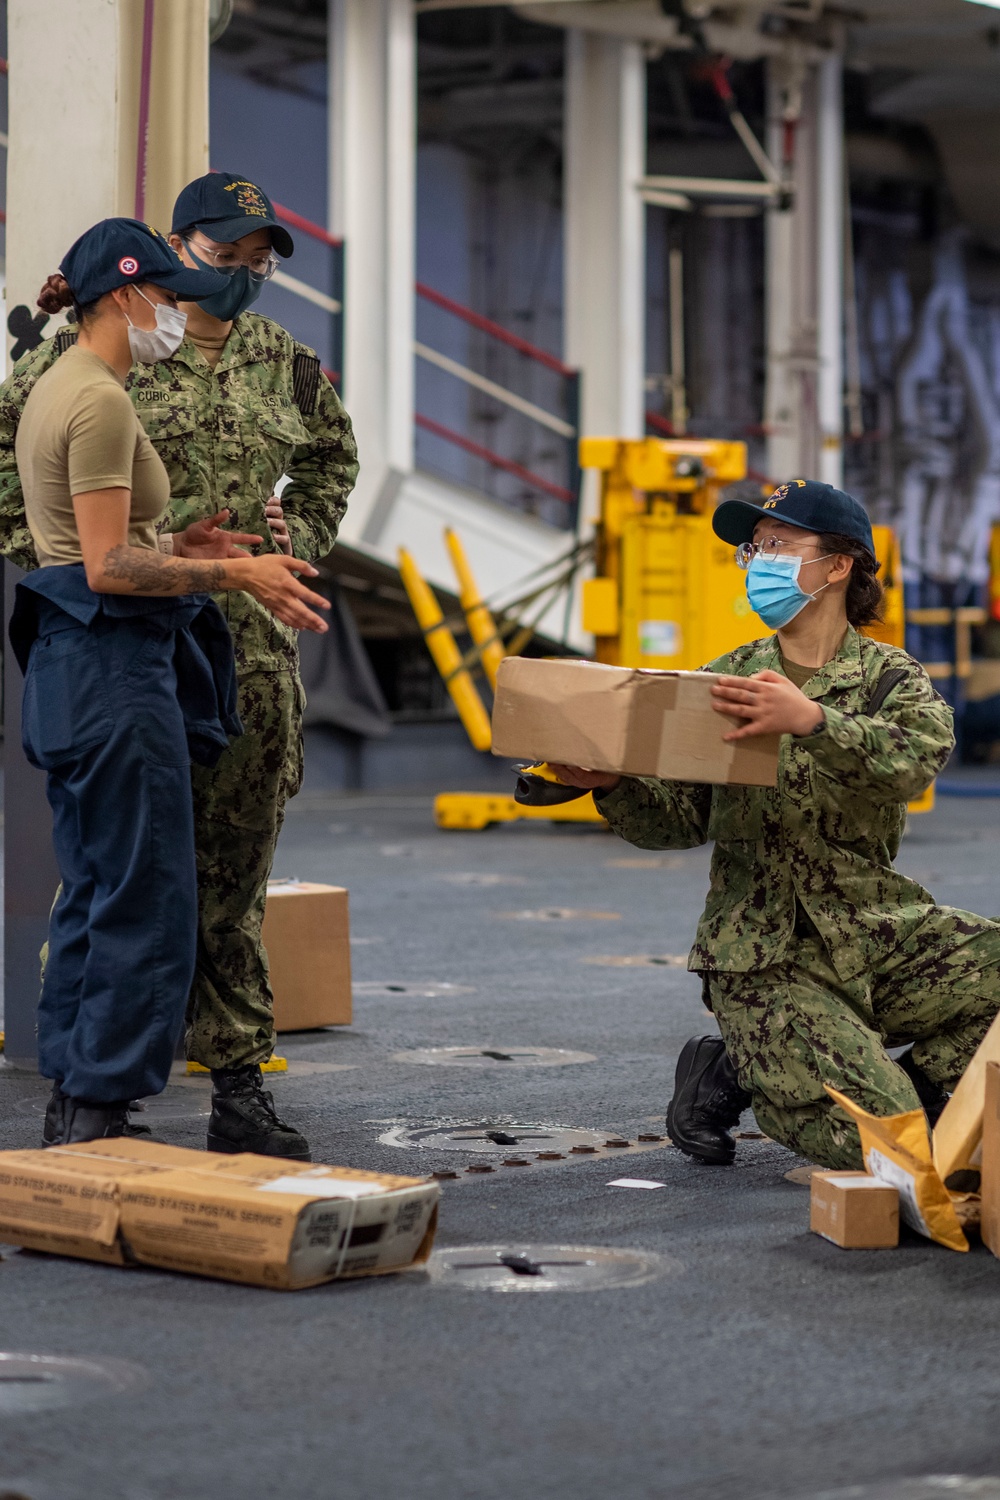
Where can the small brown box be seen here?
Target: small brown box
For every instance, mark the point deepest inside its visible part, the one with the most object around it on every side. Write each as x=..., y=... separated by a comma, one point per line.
x=307, y=937
x=854, y=1210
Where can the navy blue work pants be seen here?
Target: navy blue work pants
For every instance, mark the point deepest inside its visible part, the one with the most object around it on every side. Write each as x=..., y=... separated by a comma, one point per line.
x=101, y=716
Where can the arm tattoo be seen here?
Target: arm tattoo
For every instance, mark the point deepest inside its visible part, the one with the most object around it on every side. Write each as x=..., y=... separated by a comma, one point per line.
x=150, y=572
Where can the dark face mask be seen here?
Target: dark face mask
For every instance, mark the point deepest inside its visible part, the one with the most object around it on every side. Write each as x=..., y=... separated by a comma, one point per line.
x=241, y=293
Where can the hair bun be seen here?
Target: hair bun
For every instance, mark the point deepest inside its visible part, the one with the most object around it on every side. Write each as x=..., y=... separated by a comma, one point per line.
x=55, y=294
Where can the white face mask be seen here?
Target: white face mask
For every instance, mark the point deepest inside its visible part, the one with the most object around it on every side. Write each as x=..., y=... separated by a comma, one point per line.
x=150, y=344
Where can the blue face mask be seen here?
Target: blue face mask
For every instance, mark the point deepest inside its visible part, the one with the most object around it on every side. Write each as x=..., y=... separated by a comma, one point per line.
x=241, y=293
x=773, y=589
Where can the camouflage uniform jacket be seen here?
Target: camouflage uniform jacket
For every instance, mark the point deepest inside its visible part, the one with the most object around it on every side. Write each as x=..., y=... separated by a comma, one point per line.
x=225, y=436
x=820, y=843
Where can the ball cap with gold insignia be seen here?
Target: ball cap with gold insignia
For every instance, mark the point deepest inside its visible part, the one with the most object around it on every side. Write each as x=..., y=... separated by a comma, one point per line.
x=124, y=252
x=225, y=207
x=805, y=503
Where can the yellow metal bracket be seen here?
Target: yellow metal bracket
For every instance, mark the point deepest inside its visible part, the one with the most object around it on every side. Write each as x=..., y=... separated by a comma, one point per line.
x=482, y=626
x=474, y=811
x=273, y=1065
x=447, y=657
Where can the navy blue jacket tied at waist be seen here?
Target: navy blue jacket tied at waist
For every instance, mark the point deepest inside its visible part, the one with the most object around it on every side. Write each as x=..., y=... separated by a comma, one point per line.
x=58, y=599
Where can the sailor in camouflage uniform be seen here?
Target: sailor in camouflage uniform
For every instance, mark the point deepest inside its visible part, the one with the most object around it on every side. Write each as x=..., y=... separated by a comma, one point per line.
x=239, y=405
x=815, y=953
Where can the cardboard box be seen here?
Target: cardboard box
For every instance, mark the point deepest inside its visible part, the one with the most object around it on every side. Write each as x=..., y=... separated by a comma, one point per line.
x=958, y=1133
x=252, y=1219
x=307, y=937
x=625, y=719
x=854, y=1210
x=990, y=1219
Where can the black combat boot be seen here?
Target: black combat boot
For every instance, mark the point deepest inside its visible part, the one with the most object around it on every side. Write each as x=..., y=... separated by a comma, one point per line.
x=244, y=1117
x=69, y=1121
x=707, y=1102
x=54, y=1129
x=931, y=1095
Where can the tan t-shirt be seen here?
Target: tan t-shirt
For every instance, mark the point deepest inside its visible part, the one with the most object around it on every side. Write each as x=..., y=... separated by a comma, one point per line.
x=78, y=432
x=796, y=673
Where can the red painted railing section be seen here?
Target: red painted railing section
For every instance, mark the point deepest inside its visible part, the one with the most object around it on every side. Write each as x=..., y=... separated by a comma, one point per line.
x=495, y=330
x=508, y=465
x=523, y=400
x=316, y=231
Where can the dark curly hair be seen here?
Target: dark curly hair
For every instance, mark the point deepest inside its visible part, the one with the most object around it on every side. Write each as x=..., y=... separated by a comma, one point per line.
x=865, y=600
x=56, y=294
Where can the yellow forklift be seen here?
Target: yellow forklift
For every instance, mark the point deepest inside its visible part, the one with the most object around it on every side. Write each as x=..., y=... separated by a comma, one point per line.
x=666, y=595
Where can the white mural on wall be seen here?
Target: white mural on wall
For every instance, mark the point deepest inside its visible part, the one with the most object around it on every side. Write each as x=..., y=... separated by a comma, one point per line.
x=945, y=497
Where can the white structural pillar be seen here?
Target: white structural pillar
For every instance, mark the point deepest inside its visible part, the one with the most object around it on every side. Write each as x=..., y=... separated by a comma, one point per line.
x=372, y=206
x=74, y=122
x=805, y=258
x=604, y=217
x=830, y=266
x=70, y=161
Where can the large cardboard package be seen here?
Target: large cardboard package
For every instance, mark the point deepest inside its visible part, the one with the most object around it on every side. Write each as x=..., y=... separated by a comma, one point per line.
x=630, y=720
x=307, y=937
x=958, y=1134
x=253, y=1219
x=990, y=1221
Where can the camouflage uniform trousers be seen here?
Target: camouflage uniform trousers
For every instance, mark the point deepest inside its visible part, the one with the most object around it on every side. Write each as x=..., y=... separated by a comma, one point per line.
x=239, y=807
x=791, y=1028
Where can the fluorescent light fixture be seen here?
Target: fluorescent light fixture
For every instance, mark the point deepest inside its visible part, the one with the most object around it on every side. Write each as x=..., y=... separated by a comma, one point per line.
x=993, y=4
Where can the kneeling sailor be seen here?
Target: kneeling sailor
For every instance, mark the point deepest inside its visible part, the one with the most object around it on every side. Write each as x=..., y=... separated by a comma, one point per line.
x=816, y=954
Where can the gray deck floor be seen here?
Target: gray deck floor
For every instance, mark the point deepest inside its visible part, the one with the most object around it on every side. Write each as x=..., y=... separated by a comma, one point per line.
x=770, y=1364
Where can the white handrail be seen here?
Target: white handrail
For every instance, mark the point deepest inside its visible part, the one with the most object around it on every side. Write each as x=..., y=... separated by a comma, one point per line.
x=498, y=392
x=303, y=289
x=710, y=187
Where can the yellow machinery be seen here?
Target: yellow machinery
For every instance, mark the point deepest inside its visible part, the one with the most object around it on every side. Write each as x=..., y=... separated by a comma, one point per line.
x=667, y=594
x=892, y=630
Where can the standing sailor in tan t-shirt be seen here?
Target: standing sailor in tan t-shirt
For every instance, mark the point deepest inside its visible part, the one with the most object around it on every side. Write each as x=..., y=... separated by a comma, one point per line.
x=129, y=676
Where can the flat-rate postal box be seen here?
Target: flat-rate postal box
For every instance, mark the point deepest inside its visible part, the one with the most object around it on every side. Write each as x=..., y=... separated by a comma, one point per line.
x=252, y=1219
x=307, y=937
x=623, y=719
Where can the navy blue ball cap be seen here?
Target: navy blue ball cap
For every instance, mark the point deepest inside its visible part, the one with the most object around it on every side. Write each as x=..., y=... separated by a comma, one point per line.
x=226, y=207
x=126, y=252
x=805, y=503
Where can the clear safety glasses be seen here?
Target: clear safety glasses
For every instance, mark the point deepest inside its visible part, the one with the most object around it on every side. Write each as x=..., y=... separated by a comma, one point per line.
x=261, y=266
x=770, y=547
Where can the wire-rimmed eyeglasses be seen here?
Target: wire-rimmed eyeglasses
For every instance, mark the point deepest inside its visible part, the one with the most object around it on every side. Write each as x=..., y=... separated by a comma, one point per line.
x=261, y=265
x=770, y=546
